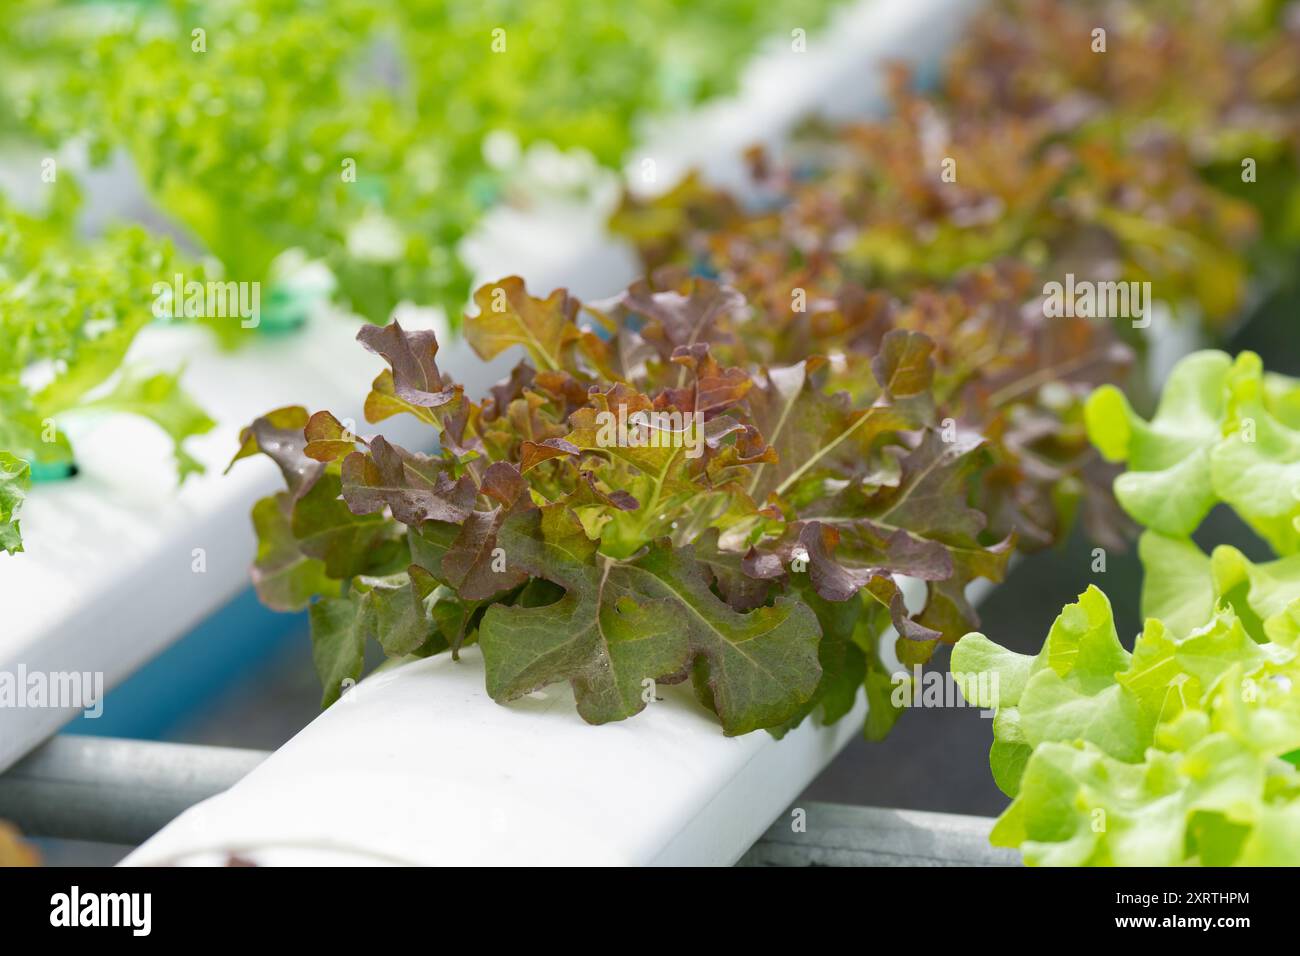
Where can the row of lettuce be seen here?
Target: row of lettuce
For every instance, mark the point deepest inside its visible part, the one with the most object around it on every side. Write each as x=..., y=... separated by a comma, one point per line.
x=1167, y=158
x=266, y=125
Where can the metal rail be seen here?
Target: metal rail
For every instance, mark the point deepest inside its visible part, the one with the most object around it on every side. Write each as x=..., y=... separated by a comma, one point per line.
x=114, y=791
x=123, y=791
x=837, y=835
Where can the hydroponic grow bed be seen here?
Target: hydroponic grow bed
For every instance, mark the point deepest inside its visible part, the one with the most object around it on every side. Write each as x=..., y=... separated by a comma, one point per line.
x=885, y=410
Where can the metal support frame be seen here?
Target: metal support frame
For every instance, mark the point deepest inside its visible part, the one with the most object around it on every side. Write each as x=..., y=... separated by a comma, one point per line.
x=114, y=791
x=832, y=834
x=124, y=791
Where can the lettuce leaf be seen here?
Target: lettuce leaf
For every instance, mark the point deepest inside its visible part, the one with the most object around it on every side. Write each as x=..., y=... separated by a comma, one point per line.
x=1168, y=483
x=1220, y=435
x=15, y=480
x=1255, y=468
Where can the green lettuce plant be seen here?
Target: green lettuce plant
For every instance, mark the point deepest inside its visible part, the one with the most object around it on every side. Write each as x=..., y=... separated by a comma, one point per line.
x=69, y=311
x=1185, y=750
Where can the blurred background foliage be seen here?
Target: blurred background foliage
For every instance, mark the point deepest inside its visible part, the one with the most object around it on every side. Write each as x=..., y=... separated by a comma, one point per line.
x=246, y=118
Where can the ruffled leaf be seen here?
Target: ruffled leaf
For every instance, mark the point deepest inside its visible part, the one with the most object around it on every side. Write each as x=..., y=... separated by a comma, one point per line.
x=15, y=480
x=1167, y=486
x=1168, y=756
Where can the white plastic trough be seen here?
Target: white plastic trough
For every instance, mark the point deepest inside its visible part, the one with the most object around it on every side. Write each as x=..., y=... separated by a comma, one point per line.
x=417, y=765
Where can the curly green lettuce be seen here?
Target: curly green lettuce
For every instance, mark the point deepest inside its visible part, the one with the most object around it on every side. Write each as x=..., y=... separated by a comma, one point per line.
x=360, y=132
x=1185, y=750
x=69, y=311
x=15, y=479
x=1181, y=752
x=1167, y=486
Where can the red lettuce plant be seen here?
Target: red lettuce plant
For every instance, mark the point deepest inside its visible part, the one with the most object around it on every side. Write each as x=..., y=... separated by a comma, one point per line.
x=931, y=190
x=671, y=486
x=1115, y=139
